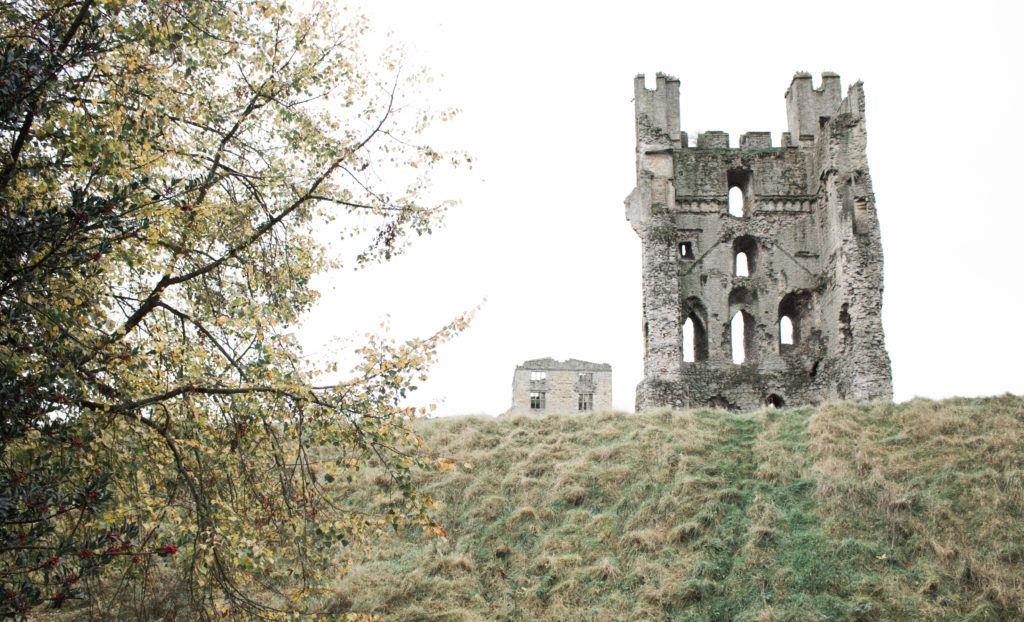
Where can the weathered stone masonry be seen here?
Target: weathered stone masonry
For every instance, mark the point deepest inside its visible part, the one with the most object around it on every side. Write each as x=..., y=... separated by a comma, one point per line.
x=542, y=386
x=810, y=237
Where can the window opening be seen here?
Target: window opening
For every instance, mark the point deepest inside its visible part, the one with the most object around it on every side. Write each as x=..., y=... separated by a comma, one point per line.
x=536, y=400
x=795, y=314
x=586, y=401
x=745, y=246
x=736, y=201
x=786, y=331
x=689, y=351
x=686, y=250
x=537, y=376
x=738, y=330
x=739, y=182
x=742, y=269
x=774, y=401
x=694, y=334
x=587, y=376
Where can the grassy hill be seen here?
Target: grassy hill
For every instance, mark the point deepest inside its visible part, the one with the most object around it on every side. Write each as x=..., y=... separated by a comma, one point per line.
x=874, y=512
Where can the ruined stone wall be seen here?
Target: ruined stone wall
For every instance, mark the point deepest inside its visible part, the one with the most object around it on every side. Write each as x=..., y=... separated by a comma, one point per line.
x=810, y=235
x=562, y=385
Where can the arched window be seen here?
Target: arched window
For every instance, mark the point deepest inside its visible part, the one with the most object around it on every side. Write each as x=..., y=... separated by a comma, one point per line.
x=742, y=325
x=786, y=331
x=736, y=202
x=737, y=329
x=740, y=189
x=744, y=249
x=742, y=269
x=794, y=315
x=695, y=334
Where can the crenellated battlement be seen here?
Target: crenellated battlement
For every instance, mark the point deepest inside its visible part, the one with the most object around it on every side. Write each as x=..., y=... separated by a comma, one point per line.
x=713, y=139
x=657, y=112
x=756, y=140
x=808, y=108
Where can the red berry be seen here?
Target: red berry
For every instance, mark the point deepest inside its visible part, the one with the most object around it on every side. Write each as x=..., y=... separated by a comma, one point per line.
x=136, y=559
x=186, y=207
x=95, y=255
x=85, y=553
x=52, y=561
x=168, y=550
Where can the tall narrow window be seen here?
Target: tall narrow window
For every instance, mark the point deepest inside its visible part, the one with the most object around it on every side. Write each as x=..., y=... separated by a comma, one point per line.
x=742, y=268
x=786, y=331
x=845, y=327
x=740, y=191
x=738, y=332
x=736, y=201
x=689, y=351
x=694, y=337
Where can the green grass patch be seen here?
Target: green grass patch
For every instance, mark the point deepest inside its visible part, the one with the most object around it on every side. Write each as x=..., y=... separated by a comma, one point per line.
x=843, y=512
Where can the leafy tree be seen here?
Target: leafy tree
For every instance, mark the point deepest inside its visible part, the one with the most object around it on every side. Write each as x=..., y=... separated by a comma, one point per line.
x=165, y=166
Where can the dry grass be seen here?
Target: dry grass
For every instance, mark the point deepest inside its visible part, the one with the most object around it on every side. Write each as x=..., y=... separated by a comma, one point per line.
x=913, y=511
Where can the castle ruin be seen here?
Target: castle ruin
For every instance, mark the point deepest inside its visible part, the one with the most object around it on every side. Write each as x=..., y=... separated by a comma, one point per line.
x=541, y=386
x=762, y=265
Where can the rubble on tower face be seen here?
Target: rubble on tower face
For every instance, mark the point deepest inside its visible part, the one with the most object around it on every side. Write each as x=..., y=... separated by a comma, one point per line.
x=762, y=265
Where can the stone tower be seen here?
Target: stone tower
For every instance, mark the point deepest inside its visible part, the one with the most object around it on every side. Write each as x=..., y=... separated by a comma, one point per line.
x=766, y=255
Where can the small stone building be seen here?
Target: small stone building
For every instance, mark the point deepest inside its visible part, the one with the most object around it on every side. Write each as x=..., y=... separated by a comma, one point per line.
x=762, y=264
x=545, y=385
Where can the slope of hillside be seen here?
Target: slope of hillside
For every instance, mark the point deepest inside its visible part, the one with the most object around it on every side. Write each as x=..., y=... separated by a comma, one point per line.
x=877, y=512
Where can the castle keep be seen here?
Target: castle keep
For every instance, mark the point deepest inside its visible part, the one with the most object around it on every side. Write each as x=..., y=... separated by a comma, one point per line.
x=762, y=264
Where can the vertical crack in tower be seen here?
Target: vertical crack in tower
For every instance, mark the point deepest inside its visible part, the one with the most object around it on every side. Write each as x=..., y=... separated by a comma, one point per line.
x=776, y=299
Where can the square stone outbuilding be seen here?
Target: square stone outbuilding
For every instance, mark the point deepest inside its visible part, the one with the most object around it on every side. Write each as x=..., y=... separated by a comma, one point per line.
x=545, y=385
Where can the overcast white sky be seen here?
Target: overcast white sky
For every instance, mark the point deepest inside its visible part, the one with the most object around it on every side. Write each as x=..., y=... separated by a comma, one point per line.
x=546, y=94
